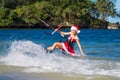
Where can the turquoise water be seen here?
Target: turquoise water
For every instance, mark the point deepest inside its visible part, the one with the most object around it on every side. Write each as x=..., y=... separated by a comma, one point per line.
x=25, y=48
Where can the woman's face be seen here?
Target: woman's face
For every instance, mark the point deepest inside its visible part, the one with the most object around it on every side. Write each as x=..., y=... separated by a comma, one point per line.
x=74, y=32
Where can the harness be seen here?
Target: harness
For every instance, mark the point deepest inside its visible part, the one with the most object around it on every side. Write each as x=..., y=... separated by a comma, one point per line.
x=71, y=42
x=68, y=45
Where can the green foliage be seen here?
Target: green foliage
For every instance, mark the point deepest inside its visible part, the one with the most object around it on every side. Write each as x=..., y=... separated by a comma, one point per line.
x=4, y=16
x=105, y=8
x=55, y=11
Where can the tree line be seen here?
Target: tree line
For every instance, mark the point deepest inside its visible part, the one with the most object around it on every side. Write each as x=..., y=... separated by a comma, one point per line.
x=87, y=13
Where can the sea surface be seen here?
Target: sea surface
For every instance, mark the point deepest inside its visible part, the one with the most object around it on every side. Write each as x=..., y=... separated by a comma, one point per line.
x=23, y=57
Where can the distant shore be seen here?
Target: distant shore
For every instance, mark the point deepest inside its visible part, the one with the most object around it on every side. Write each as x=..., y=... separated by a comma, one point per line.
x=102, y=26
x=36, y=27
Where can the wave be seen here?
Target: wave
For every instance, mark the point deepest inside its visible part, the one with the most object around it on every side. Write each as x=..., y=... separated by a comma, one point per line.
x=33, y=57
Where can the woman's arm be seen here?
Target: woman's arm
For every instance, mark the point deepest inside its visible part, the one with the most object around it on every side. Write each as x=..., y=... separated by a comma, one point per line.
x=78, y=42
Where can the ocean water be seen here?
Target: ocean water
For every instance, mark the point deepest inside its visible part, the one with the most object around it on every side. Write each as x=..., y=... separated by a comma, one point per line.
x=22, y=56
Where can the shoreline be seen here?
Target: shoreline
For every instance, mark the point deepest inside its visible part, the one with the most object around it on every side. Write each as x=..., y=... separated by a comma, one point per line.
x=33, y=28
x=8, y=73
x=53, y=27
x=51, y=76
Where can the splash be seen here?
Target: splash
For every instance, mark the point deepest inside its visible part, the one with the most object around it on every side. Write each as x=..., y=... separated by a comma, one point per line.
x=33, y=58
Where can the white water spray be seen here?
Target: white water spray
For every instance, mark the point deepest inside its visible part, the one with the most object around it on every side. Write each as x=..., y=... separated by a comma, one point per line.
x=33, y=57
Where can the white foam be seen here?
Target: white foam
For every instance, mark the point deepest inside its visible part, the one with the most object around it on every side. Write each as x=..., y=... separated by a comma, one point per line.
x=33, y=57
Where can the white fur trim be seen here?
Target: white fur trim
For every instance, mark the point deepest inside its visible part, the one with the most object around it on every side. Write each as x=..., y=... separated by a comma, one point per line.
x=78, y=31
x=67, y=50
x=74, y=28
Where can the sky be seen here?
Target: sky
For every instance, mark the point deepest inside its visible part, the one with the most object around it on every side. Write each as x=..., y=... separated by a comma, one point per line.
x=114, y=20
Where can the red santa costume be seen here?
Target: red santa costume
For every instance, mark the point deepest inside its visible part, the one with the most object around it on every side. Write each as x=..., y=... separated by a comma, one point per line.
x=68, y=45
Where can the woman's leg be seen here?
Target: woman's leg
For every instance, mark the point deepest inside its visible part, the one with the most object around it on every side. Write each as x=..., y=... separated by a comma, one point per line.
x=55, y=45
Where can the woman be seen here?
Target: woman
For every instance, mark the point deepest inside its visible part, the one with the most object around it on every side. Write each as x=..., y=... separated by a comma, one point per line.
x=67, y=46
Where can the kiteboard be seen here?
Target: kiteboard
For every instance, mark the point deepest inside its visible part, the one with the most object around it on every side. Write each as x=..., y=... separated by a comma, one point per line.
x=64, y=53
x=69, y=55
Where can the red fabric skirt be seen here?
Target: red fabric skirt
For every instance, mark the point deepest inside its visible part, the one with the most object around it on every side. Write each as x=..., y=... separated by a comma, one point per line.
x=68, y=48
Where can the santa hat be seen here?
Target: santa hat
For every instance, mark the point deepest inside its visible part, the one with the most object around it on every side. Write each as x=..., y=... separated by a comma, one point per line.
x=76, y=28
